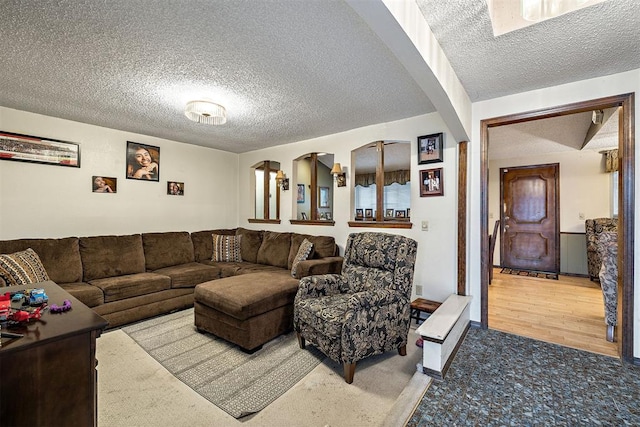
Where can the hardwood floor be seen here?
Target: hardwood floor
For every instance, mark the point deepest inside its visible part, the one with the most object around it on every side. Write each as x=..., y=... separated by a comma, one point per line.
x=568, y=311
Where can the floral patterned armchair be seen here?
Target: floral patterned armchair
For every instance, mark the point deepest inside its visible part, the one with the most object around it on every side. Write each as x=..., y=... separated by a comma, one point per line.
x=365, y=310
x=608, y=251
x=592, y=230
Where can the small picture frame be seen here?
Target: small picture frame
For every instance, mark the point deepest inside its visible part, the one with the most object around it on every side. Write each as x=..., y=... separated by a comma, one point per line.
x=408, y=212
x=327, y=216
x=103, y=184
x=303, y=216
x=431, y=182
x=368, y=213
x=389, y=213
x=143, y=162
x=175, y=188
x=401, y=213
x=430, y=148
x=300, y=197
x=285, y=184
x=359, y=214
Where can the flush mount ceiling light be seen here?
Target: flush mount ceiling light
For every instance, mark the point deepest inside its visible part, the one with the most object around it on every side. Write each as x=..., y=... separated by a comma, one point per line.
x=206, y=112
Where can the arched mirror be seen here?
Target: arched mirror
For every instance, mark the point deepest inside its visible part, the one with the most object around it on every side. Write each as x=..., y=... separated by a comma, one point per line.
x=267, y=192
x=314, y=187
x=382, y=187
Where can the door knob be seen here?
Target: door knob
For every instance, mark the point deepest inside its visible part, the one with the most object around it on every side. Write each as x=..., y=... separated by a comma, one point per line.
x=506, y=218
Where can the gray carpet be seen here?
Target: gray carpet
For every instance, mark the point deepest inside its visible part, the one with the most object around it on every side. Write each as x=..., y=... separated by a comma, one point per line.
x=236, y=382
x=498, y=379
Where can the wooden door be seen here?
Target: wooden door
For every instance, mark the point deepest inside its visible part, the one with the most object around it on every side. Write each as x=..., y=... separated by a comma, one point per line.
x=530, y=236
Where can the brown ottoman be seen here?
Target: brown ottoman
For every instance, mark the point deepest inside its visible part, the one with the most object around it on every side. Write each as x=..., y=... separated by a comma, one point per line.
x=247, y=310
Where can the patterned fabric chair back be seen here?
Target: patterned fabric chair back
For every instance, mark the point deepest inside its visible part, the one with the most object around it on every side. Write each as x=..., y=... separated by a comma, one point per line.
x=593, y=228
x=379, y=260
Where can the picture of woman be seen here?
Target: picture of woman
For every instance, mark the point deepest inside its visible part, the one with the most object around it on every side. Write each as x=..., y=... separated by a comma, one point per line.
x=104, y=185
x=143, y=162
x=175, y=188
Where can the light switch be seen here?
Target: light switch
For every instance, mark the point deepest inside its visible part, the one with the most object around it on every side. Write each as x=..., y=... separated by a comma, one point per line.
x=425, y=225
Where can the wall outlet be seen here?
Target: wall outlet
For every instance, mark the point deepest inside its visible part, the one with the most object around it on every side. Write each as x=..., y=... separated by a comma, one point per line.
x=425, y=225
x=419, y=290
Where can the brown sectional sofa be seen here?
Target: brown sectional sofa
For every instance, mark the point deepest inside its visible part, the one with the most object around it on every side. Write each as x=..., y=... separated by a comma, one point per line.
x=132, y=277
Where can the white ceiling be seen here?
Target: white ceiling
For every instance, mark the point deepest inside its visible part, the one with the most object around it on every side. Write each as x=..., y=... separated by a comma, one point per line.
x=285, y=70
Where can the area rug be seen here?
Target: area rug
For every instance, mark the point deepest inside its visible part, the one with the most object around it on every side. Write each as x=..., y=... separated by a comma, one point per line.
x=528, y=273
x=502, y=379
x=238, y=383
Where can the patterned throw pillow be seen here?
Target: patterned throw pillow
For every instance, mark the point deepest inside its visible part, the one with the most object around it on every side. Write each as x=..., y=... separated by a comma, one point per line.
x=22, y=268
x=305, y=252
x=226, y=248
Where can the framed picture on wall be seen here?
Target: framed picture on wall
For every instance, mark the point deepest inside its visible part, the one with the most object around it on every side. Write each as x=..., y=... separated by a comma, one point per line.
x=430, y=148
x=175, y=188
x=300, y=198
x=431, y=183
x=33, y=149
x=143, y=162
x=103, y=184
x=323, y=196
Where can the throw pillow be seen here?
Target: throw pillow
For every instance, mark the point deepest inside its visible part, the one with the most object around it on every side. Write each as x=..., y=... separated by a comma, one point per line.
x=305, y=252
x=226, y=248
x=22, y=268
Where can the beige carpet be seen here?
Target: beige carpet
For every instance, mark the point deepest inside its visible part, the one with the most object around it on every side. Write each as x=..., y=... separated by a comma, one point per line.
x=135, y=390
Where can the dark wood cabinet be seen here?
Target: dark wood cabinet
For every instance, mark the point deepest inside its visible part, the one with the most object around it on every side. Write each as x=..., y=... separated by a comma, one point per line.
x=49, y=377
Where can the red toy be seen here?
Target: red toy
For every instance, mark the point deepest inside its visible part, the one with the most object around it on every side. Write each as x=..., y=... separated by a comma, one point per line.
x=5, y=306
x=26, y=316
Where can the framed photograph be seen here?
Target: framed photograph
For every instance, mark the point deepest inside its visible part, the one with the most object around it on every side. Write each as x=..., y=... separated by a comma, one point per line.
x=389, y=213
x=303, y=216
x=103, y=184
x=327, y=216
x=430, y=148
x=300, y=198
x=33, y=149
x=143, y=162
x=368, y=213
x=175, y=188
x=431, y=183
x=323, y=196
x=408, y=213
x=285, y=184
x=359, y=214
x=401, y=213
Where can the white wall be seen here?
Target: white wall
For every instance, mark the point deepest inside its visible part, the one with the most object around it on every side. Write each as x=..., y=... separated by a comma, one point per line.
x=528, y=101
x=436, y=267
x=39, y=200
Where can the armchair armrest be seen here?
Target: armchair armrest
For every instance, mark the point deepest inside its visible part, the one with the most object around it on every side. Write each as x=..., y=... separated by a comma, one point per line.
x=313, y=267
x=322, y=285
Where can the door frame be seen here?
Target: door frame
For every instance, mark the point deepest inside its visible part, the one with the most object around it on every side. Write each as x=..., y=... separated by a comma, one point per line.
x=556, y=212
x=626, y=204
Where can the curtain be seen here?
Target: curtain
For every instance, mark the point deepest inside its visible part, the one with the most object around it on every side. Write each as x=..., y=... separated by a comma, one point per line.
x=400, y=176
x=610, y=160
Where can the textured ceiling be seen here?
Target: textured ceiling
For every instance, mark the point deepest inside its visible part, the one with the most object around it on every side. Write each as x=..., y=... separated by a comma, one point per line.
x=286, y=70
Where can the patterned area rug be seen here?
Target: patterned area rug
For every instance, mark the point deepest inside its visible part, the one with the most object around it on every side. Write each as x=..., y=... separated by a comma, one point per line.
x=238, y=383
x=528, y=273
x=498, y=379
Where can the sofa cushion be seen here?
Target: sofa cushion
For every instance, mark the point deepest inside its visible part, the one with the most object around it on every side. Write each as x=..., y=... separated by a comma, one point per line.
x=109, y=256
x=304, y=252
x=167, y=249
x=323, y=246
x=226, y=248
x=21, y=268
x=274, y=249
x=131, y=285
x=60, y=257
x=251, y=241
x=190, y=274
x=89, y=295
x=248, y=295
x=203, y=245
